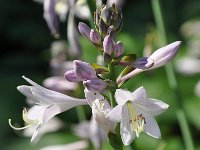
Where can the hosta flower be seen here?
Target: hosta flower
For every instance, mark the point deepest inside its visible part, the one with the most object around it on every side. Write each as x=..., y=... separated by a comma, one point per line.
x=136, y=113
x=100, y=108
x=158, y=59
x=47, y=104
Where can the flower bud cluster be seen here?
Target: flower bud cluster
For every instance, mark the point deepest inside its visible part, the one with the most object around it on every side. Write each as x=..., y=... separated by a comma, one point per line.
x=106, y=17
x=86, y=73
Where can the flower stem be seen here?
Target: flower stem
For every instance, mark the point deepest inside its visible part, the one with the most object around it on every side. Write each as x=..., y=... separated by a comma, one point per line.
x=80, y=113
x=112, y=77
x=172, y=79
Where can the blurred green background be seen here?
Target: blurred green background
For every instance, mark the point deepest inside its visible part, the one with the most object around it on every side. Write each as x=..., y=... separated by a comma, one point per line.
x=25, y=39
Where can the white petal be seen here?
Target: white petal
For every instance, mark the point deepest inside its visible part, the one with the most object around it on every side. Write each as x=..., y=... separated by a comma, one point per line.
x=122, y=96
x=90, y=96
x=26, y=90
x=152, y=106
x=151, y=127
x=95, y=135
x=139, y=95
x=55, y=109
x=36, y=112
x=33, y=83
x=127, y=135
x=115, y=114
x=51, y=97
x=36, y=135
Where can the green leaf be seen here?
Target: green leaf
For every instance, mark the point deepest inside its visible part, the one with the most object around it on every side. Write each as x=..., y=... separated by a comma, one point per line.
x=127, y=60
x=99, y=69
x=123, y=73
x=114, y=141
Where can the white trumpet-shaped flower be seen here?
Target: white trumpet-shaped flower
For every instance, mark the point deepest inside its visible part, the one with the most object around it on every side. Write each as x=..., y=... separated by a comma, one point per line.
x=46, y=104
x=136, y=113
x=100, y=109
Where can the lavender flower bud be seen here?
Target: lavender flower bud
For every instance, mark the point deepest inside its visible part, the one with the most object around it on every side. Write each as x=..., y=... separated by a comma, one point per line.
x=83, y=70
x=71, y=76
x=108, y=45
x=84, y=30
x=118, y=49
x=95, y=37
x=95, y=85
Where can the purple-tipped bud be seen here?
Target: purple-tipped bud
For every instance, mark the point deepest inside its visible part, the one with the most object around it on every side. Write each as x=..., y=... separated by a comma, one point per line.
x=108, y=45
x=118, y=49
x=142, y=63
x=71, y=76
x=95, y=85
x=95, y=37
x=84, y=30
x=84, y=71
x=158, y=59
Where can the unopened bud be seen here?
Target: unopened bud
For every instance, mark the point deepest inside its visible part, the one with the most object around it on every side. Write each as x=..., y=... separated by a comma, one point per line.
x=118, y=49
x=83, y=70
x=84, y=30
x=95, y=37
x=108, y=45
x=95, y=85
x=71, y=76
x=106, y=14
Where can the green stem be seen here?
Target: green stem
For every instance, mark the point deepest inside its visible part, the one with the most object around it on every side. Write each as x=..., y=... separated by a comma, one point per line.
x=172, y=79
x=92, y=7
x=81, y=113
x=112, y=77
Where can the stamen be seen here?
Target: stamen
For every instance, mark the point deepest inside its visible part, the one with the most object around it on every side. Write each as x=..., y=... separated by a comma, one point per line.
x=136, y=122
x=16, y=128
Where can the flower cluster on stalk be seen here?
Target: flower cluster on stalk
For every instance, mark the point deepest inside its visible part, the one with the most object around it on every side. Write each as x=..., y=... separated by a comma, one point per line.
x=110, y=104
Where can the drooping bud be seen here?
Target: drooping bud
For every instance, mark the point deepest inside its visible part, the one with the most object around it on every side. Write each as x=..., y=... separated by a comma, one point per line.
x=95, y=85
x=71, y=76
x=50, y=16
x=158, y=59
x=108, y=45
x=106, y=17
x=83, y=70
x=118, y=49
x=95, y=37
x=84, y=30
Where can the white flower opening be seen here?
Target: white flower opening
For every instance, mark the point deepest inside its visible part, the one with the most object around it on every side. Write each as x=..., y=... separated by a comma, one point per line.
x=100, y=109
x=135, y=112
x=46, y=104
